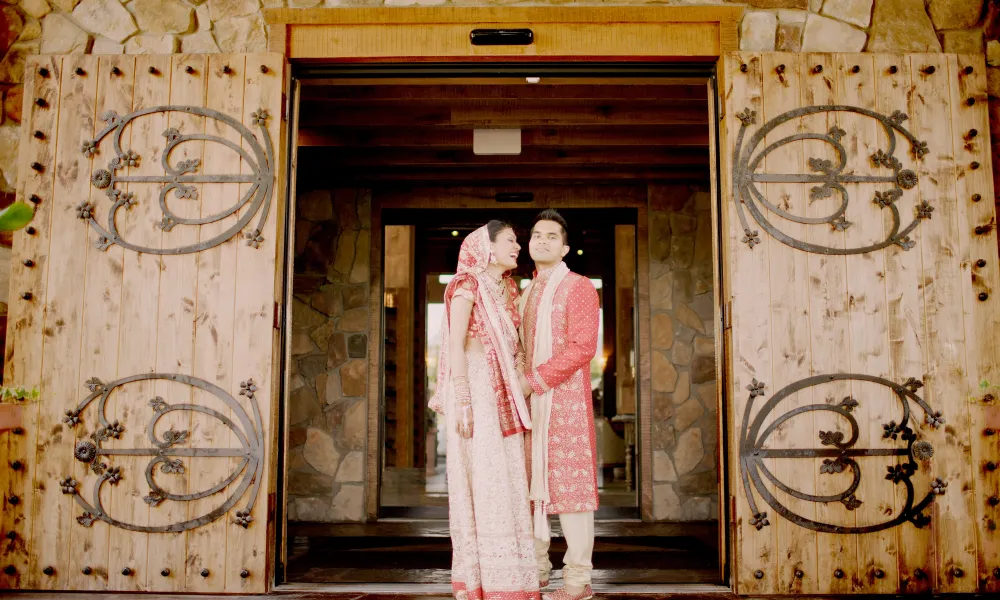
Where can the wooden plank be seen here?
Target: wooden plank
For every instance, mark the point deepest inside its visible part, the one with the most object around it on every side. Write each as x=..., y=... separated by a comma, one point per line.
x=589, y=196
x=52, y=513
x=25, y=339
x=828, y=304
x=254, y=340
x=101, y=315
x=175, y=326
x=968, y=81
x=907, y=335
x=667, y=90
x=751, y=337
x=138, y=329
x=945, y=353
x=491, y=175
x=410, y=157
x=207, y=545
x=429, y=137
x=503, y=116
x=506, y=14
x=528, y=103
x=565, y=40
x=868, y=328
x=783, y=76
x=644, y=346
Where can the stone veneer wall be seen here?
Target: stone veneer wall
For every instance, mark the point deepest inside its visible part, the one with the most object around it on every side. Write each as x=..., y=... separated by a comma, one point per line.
x=685, y=433
x=328, y=408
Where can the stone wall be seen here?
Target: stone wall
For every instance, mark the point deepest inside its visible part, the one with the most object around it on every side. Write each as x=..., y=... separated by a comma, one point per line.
x=328, y=408
x=685, y=438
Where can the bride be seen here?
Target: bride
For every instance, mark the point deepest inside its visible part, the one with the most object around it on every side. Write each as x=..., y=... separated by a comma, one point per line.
x=481, y=389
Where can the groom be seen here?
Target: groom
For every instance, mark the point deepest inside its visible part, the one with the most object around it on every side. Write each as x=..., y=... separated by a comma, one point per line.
x=560, y=311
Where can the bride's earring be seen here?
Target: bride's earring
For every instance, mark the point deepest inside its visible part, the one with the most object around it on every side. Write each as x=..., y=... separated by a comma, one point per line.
x=493, y=258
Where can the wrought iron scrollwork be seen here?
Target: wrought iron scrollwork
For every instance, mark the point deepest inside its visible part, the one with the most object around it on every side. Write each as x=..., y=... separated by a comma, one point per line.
x=828, y=180
x=182, y=178
x=168, y=452
x=839, y=454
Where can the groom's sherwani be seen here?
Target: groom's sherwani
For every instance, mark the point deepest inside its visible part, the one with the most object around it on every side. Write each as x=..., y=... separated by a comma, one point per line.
x=572, y=446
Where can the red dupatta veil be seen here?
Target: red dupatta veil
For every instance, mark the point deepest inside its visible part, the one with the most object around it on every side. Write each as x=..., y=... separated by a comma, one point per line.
x=500, y=341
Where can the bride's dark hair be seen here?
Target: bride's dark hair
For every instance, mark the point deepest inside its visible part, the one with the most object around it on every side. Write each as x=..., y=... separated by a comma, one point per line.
x=494, y=228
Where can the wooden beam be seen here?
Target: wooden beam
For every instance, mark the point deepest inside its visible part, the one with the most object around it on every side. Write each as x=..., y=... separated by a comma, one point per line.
x=504, y=15
x=403, y=157
x=428, y=137
x=484, y=175
x=507, y=116
x=521, y=91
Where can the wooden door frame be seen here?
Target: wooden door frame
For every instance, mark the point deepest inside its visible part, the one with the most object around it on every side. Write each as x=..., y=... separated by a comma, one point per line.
x=662, y=34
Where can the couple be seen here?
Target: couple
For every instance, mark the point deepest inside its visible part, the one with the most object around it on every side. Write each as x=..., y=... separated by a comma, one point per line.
x=514, y=384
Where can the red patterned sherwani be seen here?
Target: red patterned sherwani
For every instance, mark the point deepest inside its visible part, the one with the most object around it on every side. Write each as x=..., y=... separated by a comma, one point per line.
x=572, y=445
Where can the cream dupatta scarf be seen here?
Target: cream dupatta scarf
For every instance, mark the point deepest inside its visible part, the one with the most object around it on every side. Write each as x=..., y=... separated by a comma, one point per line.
x=541, y=405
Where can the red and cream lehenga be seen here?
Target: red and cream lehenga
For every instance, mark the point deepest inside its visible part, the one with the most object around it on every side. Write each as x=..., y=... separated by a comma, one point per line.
x=493, y=556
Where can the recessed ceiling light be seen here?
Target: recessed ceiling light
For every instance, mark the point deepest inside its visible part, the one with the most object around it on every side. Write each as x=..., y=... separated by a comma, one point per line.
x=532, y=79
x=579, y=252
x=454, y=234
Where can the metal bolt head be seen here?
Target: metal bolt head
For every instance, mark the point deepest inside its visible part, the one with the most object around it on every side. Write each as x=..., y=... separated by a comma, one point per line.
x=244, y=573
x=35, y=199
x=970, y=101
x=973, y=133
x=957, y=572
x=10, y=570
x=227, y=69
x=126, y=571
x=856, y=69
x=983, y=296
x=758, y=574
x=28, y=262
x=11, y=535
x=996, y=572
x=264, y=69
x=879, y=574
x=929, y=70
x=779, y=69
x=79, y=71
x=991, y=466
x=26, y=296
x=893, y=70
x=818, y=69
x=153, y=71
x=116, y=71
x=39, y=135
x=799, y=574
x=17, y=430
x=204, y=573
x=14, y=500
x=980, y=229
x=40, y=102
x=993, y=501
x=744, y=68
x=165, y=572
x=989, y=431
x=43, y=72
x=974, y=165
x=30, y=230
x=919, y=573
x=977, y=197
x=48, y=570
x=839, y=574
x=16, y=465
x=968, y=70
x=189, y=70
x=981, y=263
x=86, y=570
x=37, y=166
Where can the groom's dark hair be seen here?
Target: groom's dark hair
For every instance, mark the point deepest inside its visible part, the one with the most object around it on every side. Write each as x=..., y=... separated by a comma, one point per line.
x=551, y=214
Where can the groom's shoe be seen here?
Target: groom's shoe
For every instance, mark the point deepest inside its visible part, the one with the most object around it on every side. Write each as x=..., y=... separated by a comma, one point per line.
x=562, y=594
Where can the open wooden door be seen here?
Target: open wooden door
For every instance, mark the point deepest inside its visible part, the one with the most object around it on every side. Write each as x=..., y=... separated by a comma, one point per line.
x=860, y=257
x=143, y=307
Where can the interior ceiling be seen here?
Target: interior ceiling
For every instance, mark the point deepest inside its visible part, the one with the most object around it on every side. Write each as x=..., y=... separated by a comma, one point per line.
x=575, y=132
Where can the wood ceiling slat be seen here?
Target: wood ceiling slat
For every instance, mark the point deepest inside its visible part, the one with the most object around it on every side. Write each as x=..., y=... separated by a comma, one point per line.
x=622, y=155
x=335, y=94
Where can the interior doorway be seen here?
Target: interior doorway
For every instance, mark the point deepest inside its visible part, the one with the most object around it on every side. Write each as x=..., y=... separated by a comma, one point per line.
x=388, y=185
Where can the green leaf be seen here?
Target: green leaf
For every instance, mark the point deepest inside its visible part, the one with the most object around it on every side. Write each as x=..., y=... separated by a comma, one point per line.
x=15, y=216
